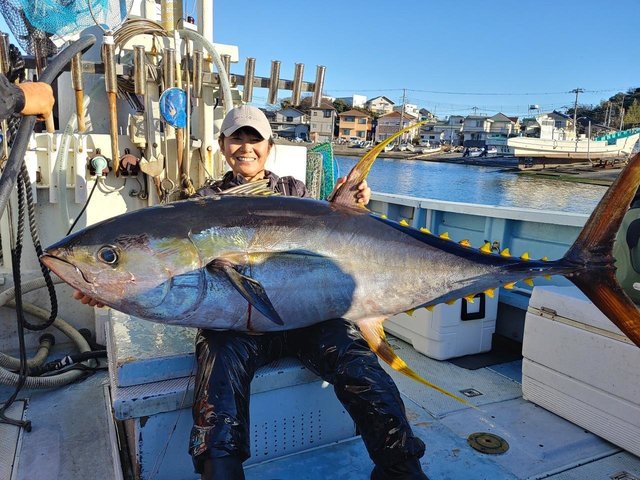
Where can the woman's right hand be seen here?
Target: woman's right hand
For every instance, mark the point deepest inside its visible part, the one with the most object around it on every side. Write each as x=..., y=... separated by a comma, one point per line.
x=92, y=302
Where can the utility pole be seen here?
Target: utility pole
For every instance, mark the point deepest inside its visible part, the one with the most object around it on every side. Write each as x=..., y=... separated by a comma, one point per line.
x=622, y=111
x=577, y=91
x=404, y=97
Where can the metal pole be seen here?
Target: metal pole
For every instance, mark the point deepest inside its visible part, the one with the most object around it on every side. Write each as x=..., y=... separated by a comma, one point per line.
x=274, y=79
x=319, y=85
x=249, y=73
x=297, y=83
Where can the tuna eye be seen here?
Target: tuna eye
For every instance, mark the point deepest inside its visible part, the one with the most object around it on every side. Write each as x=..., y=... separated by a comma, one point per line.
x=108, y=255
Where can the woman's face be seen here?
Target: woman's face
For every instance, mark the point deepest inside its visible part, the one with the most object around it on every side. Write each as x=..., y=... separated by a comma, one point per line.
x=246, y=153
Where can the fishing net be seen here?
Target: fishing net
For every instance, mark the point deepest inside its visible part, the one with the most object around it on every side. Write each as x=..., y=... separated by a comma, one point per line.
x=313, y=182
x=329, y=169
x=28, y=36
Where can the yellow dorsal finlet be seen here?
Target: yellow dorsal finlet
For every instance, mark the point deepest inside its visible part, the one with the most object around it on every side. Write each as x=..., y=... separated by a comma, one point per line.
x=486, y=248
x=528, y=281
x=450, y=302
x=489, y=292
x=545, y=259
x=505, y=252
x=524, y=256
x=509, y=285
x=404, y=223
x=465, y=243
x=444, y=236
x=383, y=216
x=470, y=298
x=430, y=308
x=410, y=312
x=425, y=230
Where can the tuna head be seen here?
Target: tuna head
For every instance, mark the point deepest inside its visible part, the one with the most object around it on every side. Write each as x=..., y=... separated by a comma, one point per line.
x=132, y=270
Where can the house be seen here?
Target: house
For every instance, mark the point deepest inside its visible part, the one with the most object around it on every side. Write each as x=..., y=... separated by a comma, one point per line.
x=390, y=123
x=322, y=121
x=500, y=130
x=354, y=125
x=448, y=131
x=380, y=105
x=409, y=108
x=475, y=130
x=291, y=123
x=354, y=101
x=424, y=114
x=555, y=126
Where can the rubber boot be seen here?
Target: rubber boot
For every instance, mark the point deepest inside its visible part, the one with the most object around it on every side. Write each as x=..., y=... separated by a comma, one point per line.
x=222, y=468
x=407, y=470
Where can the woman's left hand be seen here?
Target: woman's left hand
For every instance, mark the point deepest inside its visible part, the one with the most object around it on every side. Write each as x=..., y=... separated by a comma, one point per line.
x=362, y=196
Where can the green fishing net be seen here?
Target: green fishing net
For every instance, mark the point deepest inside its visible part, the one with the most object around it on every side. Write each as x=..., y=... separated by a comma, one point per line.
x=328, y=170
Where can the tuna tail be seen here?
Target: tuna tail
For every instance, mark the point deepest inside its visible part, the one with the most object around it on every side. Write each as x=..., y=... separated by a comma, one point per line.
x=346, y=193
x=592, y=256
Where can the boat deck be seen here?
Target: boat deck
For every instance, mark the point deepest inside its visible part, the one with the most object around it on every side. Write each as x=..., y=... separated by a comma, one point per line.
x=73, y=434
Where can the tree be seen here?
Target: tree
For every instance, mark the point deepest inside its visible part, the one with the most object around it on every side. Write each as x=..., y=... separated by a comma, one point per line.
x=632, y=115
x=340, y=105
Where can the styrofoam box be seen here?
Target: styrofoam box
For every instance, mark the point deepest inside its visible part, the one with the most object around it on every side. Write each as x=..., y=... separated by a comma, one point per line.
x=580, y=366
x=443, y=333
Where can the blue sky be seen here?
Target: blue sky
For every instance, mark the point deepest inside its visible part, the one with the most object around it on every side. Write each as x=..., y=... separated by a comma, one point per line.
x=541, y=48
x=495, y=55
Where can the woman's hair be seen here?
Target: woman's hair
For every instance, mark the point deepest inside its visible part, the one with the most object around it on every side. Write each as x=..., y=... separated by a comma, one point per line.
x=221, y=137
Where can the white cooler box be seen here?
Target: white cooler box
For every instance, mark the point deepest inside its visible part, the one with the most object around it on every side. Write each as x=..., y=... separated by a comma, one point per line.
x=449, y=331
x=580, y=366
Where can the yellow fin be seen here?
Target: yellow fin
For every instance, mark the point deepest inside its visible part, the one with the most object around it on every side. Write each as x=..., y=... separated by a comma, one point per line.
x=450, y=302
x=373, y=333
x=505, y=253
x=383, y=216
x=545, y=259
x=470, y=298
x=547, y=277
x=404, y=223
x=410, y=312
x=528, y=281
x=425, y=230
x=430, y=308
x=524, y=256
x=509, y=285
x=465, y=243
x=486, y=248
x=445, y=235
x=489, y=292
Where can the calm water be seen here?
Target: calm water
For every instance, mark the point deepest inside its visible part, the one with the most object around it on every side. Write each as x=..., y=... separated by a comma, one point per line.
x=481, y=185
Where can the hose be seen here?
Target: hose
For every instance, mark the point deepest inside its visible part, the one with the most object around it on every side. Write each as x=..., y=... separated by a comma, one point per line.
x=19, y=147
x=46, y=342
x=199, y=40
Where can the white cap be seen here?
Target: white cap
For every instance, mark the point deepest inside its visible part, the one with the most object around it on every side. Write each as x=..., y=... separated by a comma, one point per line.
x=246, y=116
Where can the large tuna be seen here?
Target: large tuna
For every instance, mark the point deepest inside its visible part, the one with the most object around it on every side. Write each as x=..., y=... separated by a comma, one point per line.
x=252, y=262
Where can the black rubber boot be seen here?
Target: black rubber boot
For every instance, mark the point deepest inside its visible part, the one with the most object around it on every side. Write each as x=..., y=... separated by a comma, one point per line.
x=407, y=470
x=222, y=468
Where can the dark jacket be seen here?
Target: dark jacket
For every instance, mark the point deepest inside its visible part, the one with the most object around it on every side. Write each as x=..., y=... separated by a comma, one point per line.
x=11, y=98
x=288, y=186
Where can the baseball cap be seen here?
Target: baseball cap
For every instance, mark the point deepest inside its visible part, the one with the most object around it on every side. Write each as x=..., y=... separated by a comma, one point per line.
x=246, y=116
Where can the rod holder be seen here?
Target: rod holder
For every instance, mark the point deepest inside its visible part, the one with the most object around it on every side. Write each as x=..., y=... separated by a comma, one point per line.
x=4, y=53
x=168, y=67
x=318, y=86
x=226, y=62
x=139, y=70
x=78, y=87
x=249, y=75
x=297, y=83
x=198, y=74
x=274, y=80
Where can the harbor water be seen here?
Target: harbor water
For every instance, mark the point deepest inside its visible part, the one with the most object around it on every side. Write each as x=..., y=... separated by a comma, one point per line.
x=479, y=185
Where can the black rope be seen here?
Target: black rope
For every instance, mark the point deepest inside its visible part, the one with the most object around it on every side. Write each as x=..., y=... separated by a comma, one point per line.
x=16, y=253
x=86, y=204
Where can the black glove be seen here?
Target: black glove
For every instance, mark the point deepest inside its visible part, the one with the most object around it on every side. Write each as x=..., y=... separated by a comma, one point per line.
x=16, y=65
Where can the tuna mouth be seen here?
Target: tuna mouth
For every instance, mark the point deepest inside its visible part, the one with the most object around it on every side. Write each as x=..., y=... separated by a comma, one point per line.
x=61, y=267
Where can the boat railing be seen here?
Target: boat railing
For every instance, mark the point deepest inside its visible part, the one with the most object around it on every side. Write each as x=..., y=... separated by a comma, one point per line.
x=539, y=233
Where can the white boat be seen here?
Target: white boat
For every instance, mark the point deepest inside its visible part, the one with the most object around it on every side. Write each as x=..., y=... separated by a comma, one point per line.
x=618, y=145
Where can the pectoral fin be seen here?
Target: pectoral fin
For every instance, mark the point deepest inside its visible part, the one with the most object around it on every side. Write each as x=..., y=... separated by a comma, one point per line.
x=374, y=335
x=250, y=289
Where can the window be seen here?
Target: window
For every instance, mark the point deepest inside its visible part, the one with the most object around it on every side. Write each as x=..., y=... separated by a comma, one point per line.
x=349, y=119
x=315, y=113
x=362, y=121
x=360, y=134
x=346, y=131
x=314, y=126
x=288, y=119
x=327, y=114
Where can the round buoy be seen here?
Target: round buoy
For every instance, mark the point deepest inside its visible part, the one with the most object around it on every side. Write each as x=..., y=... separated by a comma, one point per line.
x=487, y=443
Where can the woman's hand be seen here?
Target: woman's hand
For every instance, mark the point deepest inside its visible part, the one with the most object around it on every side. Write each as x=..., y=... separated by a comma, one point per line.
x=92, y=302
x=362, y=196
